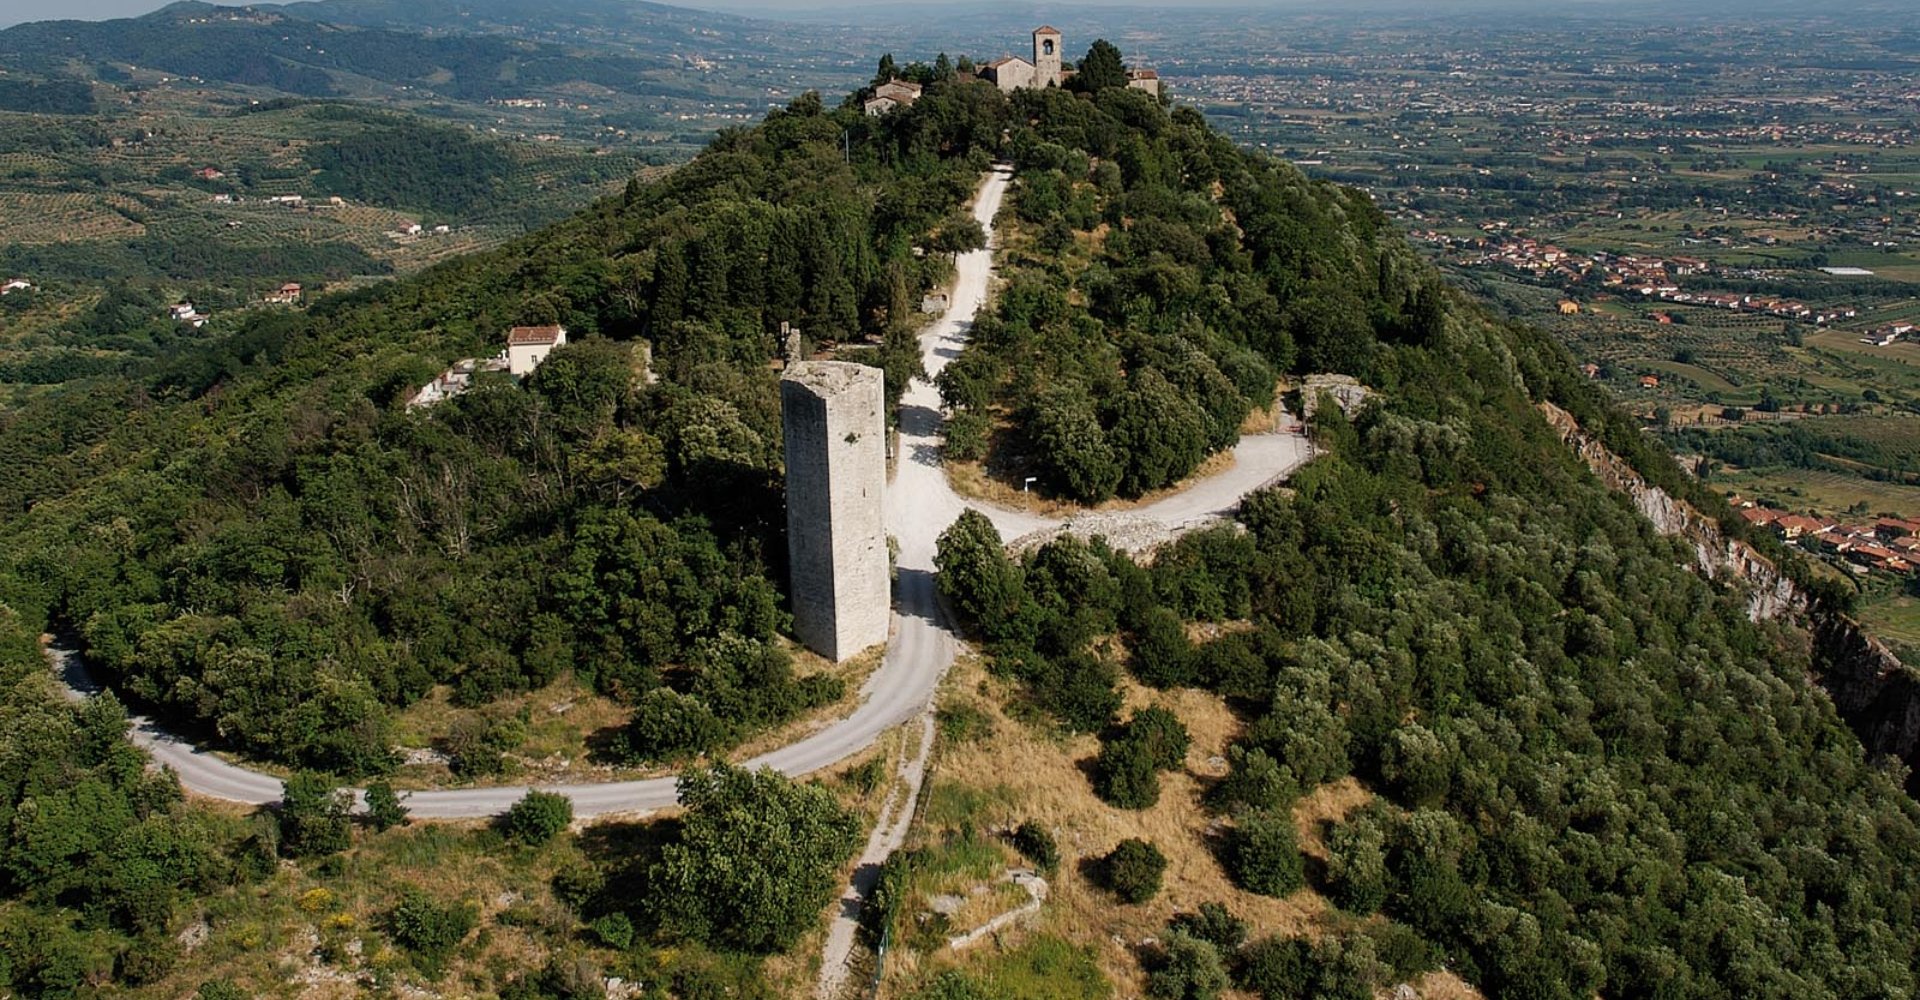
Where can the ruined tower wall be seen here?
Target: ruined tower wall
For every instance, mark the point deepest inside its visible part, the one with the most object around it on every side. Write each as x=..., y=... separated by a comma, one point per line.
x=835, y=430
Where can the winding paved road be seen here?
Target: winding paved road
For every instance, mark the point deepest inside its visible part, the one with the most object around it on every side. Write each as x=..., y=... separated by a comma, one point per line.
x=919, y=506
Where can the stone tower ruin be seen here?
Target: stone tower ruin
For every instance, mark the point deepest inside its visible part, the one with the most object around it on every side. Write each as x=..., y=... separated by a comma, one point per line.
x=834, y=412
x=1046, y=57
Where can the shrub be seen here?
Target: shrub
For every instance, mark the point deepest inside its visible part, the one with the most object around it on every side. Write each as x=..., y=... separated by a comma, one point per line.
x=1276, y=967
x=1036, y=845
x=1133, y=870
x=384, y=810
x=220, y=989
x=1254, y=781
x=148, y=959
x=964, y=723
x=429, y=931
x=1190, y=969
x=1127, y=771
x=615, y=930
x=951, y=985
x=1213, y=923
x=1264, y=853
x=1402, y=949
x=538, y=817
x=669, y=726
x=756, y=859
x=1163, y=736
x=315, y=816
x=1162, y=656
x=1124, y=775
x=1357, y=877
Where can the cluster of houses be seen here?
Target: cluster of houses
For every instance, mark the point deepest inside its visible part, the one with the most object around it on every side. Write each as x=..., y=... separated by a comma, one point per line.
x=1888, y=545
x=186, y=312
x=1011, y=73
x=1649, y=277
x=1888, y=335
x=1769, y=304
x=287, y=295
x=412, y=230
x=527, y=347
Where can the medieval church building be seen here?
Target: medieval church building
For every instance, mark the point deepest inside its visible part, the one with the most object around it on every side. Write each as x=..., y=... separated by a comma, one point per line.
x=1014, y=73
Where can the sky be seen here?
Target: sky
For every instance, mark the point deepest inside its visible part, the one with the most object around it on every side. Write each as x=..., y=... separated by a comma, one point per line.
x=16, y=11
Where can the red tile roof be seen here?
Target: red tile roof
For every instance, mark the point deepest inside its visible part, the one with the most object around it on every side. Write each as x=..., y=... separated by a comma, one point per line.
x=521, y=336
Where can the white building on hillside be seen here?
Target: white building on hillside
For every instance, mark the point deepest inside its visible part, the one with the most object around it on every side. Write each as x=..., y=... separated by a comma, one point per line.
x=527, y=346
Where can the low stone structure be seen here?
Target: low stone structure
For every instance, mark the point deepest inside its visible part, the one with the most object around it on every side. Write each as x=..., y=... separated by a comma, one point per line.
x=1347, y=393
x=835, y=430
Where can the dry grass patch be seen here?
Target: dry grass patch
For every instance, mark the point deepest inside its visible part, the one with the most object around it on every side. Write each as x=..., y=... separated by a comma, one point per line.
x=1325, y=807
x=1022, y=772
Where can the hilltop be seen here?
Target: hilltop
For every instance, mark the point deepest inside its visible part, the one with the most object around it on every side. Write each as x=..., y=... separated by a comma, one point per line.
x=1444, y=702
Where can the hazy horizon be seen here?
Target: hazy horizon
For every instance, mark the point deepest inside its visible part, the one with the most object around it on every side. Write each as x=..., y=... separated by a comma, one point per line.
x=14, y=12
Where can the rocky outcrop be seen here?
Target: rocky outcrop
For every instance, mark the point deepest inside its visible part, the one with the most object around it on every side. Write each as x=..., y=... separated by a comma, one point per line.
x=1771, y=593
x=1877, y=695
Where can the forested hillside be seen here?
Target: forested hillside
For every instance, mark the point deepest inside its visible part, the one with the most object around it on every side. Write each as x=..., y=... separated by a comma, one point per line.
x=1589, y=772
x=311, y=58
x=255, y=538
x=1167, y=283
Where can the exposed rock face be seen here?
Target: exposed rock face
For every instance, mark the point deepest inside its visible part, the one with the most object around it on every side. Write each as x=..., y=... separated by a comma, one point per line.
x=1344, y=389
x=1877, y=695
x=1771, y=592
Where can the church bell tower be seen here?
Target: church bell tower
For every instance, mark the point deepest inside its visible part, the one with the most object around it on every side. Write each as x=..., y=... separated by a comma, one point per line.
x=1046, y=57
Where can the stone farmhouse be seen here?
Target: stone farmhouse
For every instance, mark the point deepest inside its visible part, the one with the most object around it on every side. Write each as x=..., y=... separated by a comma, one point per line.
x=890, y=95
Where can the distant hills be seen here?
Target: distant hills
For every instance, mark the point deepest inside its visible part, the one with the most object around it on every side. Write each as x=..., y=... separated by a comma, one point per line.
x=292, y=52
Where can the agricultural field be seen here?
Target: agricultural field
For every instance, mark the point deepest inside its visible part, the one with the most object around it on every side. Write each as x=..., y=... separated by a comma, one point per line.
x=1667, y=200
x=206, y=199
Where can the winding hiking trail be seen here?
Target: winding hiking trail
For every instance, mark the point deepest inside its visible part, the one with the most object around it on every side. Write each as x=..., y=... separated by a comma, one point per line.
x=920, y=504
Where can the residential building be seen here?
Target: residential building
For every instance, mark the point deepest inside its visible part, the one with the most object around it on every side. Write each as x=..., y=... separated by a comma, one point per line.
x=527, y=346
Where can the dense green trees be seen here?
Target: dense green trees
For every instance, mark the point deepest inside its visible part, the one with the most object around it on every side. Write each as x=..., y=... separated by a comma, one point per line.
x=1206, y=272
x=430, y=169
x=1596, y=774
x=98, y=853
x=292, y=555
x=755, y=859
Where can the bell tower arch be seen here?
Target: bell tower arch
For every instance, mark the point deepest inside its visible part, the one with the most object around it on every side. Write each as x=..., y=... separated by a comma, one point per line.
x=1046, y=57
